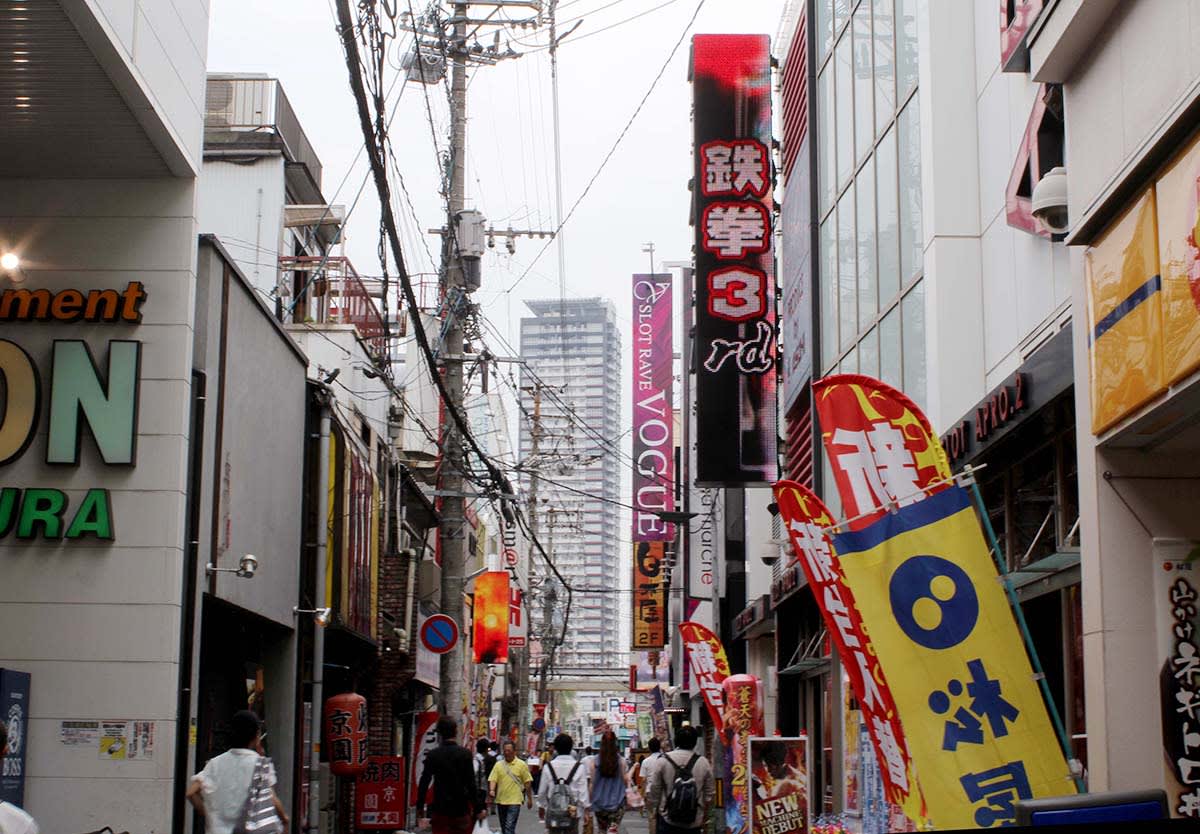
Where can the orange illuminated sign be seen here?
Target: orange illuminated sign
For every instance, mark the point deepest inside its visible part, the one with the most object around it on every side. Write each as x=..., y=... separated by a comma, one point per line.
x=490, y=633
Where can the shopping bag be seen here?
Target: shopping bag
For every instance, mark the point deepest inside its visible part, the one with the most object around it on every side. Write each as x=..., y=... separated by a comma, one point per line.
x=258, y=814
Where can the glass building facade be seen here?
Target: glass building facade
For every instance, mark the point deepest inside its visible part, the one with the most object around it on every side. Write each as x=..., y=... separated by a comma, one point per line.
x=868, y=132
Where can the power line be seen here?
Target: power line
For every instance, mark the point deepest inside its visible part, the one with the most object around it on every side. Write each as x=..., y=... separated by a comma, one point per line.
x=620, y=137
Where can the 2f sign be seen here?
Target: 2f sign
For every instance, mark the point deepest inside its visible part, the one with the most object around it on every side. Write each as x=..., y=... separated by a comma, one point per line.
x=80, y=394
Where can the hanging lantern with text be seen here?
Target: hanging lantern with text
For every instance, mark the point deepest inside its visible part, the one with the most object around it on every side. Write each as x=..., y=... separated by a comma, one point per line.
x=346, y=733
x=490, y=632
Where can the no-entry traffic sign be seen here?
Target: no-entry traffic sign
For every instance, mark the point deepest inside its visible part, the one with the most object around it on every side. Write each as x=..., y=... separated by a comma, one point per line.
x=439, y=633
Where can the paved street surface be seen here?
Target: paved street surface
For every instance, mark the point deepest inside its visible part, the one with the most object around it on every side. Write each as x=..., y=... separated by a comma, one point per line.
x=633, y=823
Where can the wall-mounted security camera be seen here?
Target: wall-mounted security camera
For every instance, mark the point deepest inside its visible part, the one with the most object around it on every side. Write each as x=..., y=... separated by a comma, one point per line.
x=1049, y=201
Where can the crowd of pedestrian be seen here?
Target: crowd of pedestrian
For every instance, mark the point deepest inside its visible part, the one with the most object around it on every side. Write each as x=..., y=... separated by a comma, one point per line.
x=576, y=791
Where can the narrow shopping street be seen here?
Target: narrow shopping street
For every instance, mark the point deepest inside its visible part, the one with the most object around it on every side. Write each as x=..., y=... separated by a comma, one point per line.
x=794, y=404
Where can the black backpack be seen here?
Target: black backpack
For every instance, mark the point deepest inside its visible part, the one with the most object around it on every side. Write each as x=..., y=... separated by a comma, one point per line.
x=683, y=801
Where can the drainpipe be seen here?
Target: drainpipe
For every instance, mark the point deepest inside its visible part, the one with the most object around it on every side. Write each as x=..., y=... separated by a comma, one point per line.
x=410, y=553
x=187, y=623
x=318, y=660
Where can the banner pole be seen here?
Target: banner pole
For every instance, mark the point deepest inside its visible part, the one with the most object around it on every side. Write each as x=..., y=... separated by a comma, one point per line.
x=994, y=546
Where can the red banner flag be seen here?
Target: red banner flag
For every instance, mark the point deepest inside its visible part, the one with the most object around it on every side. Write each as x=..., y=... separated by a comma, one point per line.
x=806, y=519
x=881, y=447
x=707, y=658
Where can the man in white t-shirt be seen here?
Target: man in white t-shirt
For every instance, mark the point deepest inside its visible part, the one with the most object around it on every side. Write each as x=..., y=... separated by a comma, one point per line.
x=12, y=819
x=649, y=773
x=219, y=791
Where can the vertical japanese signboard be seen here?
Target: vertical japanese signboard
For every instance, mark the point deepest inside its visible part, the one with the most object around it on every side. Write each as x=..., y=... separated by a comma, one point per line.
x=743, y=719
x=653, y=404
x=379, y=794
x=735, y=344
x=1177, y=618
x=649, y=596
x=930, y=598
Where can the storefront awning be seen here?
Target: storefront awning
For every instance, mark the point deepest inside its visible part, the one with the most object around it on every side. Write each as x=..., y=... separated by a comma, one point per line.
x=1054, y=572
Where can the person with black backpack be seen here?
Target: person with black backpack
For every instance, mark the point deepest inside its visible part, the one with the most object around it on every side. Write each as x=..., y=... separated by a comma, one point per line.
x=563, y=794
x=485, y=761
x=682, y=787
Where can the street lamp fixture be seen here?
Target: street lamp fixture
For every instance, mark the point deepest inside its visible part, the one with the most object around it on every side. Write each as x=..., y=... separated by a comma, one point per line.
x=247, y=566
x=320, y=615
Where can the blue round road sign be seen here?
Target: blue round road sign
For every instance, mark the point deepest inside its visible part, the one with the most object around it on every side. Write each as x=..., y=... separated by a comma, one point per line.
x=439, y=633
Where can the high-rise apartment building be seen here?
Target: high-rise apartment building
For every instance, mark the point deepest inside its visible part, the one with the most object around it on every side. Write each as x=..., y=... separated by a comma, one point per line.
x=573, y=350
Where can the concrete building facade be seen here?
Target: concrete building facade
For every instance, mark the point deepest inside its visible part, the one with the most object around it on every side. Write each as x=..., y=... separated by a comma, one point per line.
x=1131, y=90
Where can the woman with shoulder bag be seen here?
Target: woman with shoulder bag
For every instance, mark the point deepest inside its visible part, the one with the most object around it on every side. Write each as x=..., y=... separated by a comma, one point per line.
x=235, y=792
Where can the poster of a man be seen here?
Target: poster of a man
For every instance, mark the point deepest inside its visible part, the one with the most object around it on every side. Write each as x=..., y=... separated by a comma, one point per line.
x=779, y=785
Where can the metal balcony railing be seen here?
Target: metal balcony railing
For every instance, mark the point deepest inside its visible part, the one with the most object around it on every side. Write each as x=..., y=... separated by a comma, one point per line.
x=329, y=291
x=252, y=112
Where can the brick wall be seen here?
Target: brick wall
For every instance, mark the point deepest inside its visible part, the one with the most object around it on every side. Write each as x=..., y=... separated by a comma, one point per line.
x=397, y=664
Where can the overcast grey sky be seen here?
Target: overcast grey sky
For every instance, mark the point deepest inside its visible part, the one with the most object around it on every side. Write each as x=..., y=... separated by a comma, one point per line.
x=641, y=196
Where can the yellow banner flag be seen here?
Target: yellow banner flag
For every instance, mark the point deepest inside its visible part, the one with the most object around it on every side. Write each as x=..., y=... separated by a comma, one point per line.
x=976, y=725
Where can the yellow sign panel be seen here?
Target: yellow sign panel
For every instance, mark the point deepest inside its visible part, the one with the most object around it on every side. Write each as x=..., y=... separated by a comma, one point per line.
x=976, y=724
x=1125, y=315
x=1176, y=199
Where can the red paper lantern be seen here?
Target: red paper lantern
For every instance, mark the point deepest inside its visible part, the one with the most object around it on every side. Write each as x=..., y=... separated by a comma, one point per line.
x=346, y=733
x=490, y=630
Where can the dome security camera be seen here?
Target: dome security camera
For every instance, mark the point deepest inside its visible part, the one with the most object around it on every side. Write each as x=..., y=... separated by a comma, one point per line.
x=1049, y=201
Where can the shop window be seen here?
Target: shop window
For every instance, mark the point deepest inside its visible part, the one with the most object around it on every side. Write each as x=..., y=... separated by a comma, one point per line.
x=1040, y=150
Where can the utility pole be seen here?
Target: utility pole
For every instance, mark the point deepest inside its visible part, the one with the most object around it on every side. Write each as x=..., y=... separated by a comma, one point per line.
x=453, y=530
x=535, y=439
x=454, y=284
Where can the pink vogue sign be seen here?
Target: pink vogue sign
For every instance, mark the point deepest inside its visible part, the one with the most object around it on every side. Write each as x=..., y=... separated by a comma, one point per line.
x=653, y=415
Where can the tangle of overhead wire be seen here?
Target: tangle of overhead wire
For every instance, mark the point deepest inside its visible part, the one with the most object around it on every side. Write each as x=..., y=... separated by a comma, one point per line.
x=620, y=137
x=377, y=158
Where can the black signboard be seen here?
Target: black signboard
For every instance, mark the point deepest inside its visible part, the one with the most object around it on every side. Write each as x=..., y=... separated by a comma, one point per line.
x=14, y=712
x=736, y=347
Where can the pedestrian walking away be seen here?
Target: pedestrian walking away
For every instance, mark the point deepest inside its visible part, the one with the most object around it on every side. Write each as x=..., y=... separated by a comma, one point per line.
x=455, y=806
x=681, y=791
x=13, y=820
x=648, y=771
x=534, y=763
x=563, y=795
x=485, y=760
x=227, y=792
x=509, y=783
x=609, y=779
x=589, y=760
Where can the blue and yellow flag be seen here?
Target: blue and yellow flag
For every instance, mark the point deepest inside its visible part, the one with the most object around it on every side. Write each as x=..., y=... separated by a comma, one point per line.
x=930, y=597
